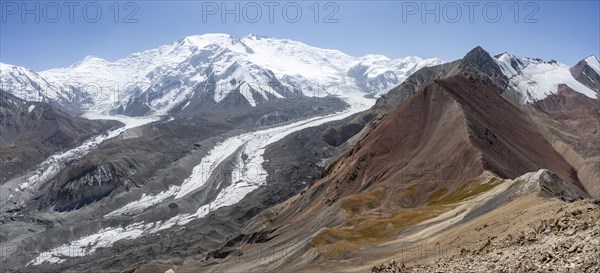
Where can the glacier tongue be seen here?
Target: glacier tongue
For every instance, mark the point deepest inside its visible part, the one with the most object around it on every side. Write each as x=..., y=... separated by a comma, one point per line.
x=249, y=170
x=248, y=174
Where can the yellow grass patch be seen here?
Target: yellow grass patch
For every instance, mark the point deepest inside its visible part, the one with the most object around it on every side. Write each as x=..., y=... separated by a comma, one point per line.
x=467, y=189
x=368, y=226
x=359, y=203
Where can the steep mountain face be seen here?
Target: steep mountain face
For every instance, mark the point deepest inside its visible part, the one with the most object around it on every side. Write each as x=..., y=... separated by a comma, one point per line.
x=549, y=82
x=31, y=86
x=571, y=122
x=587, y=71
x=28, y=85
x=219, y=69
x=32, y=131
x=477, y=65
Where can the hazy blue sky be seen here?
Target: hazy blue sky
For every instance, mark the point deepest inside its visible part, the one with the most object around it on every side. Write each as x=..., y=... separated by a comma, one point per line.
x=563, y=30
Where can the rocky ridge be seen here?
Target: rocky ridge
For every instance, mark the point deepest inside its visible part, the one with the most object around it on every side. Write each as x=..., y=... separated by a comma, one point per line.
x=566, y=242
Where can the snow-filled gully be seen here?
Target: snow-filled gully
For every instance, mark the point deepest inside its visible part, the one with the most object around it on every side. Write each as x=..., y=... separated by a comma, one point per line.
x=247, y=151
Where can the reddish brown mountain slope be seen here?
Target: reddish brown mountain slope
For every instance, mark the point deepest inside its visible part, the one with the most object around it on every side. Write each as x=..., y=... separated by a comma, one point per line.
x=572, y=124
x=450, y=131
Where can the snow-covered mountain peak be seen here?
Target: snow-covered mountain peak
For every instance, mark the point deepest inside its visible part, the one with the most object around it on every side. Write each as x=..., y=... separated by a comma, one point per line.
x=168, y=75
x=535, y=78
x=204, y=40
x=257, y=36
x=374, y=58
x=5, y=66
x=89, y=60
x=11, y=75
x=29, y=85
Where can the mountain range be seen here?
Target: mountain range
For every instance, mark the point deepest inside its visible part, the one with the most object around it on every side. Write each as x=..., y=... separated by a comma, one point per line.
x=257, y=154
x=207, y=68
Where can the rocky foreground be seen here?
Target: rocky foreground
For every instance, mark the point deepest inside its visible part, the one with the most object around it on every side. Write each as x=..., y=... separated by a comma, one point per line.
x=566, y=242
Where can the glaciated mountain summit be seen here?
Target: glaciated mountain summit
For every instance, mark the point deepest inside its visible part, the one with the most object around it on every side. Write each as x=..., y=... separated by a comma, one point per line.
x=535, y=79
x=27, y=84
x=211, y=68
